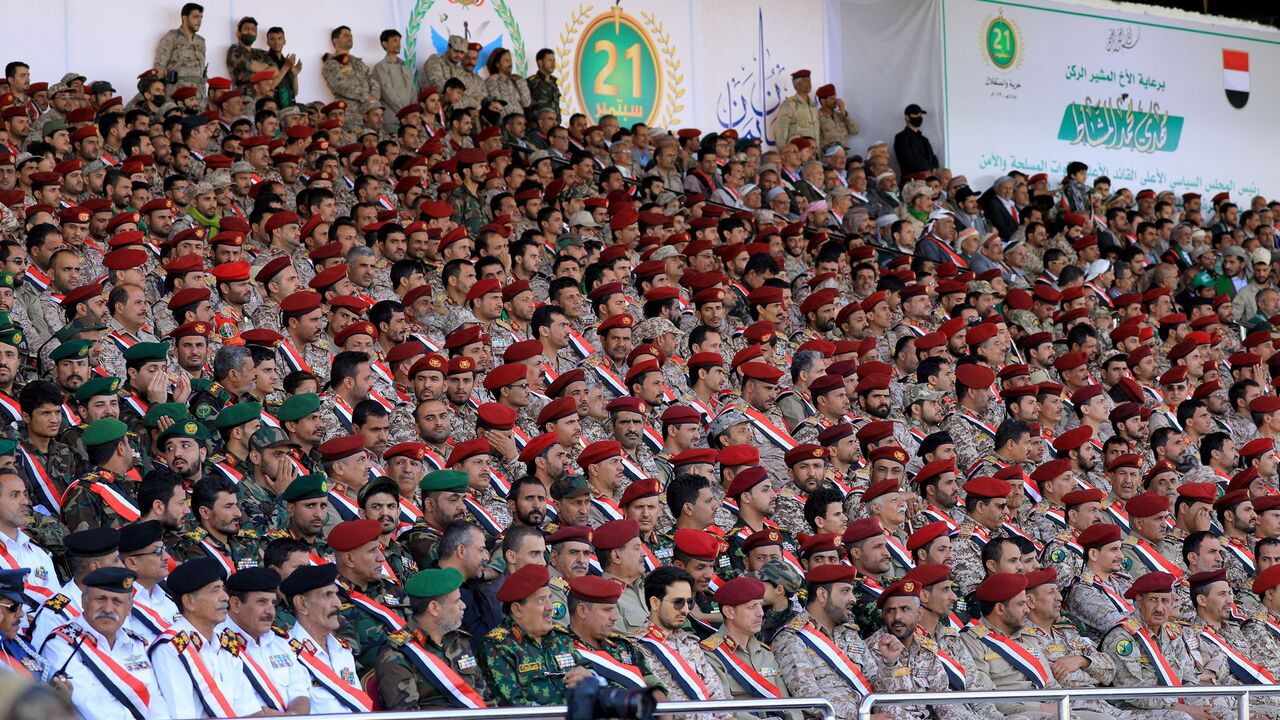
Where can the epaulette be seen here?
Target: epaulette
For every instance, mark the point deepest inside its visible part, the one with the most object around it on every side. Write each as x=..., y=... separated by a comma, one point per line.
x=216, y=458
x=342, y=642
x=1172, y=629
x=1130, y=624
x=797, y=622
x=198, y=534
x=1087, y=576
x=69, y=632
x=400, y=637
x=345, y=607
x=712, y=642
x=57, y=602
x=321, y=343
x=559, y=582
x=978, y=630
x=926, y=642
x=1031, y=630
x=497, y=633
x=557, y=627
x=279, y=631
x=249, y=533
x=276, y=534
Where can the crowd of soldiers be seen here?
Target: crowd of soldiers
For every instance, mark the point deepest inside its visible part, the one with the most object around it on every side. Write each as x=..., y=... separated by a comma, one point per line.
x=428, y=397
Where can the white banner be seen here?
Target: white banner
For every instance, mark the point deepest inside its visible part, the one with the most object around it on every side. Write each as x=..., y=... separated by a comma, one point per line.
x=1151, y=102
x=710, y=64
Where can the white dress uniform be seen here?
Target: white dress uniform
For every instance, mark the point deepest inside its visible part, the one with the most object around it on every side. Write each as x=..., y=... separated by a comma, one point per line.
x=180, y=689
x=277, y=660
x=162, y=609
x=20, y=552
x=336, y=655
x=91, y=697
x=62, y=608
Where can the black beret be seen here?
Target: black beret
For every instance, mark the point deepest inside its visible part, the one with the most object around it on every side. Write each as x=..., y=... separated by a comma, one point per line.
x=135, y=536
x=111, y=579
x=194, y=574
x=94, y=542
x=254, y=579
x=309, y=577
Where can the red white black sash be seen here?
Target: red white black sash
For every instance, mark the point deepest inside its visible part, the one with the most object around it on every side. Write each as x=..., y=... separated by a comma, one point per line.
x=1242, y=555
x=69, y=416
x=580, y=345
x=611, y=380
x=384, y=614
x=747, y=677
x=1155, y=560
x=956, y=675
x=293, y=358
x=228, y=565
x=37, y=278
x=775, y=434
x=10, y=407
x=236, y=644
x=675, y=663
x=152, y=620
x=1013, y=653
x=449, y=683
x=345, y=508
x=979, y=424
x=834, y=658
x=1116, y=599
x=607, y=507
x=352, y=697
x=344, y=412
x=612, y=669
x=114, y=499
x=128, y=690
x=211, y=697
x=1245, y=670
x=43, y=482
x=37, y=593
x=1164, y=671
x=229, y=472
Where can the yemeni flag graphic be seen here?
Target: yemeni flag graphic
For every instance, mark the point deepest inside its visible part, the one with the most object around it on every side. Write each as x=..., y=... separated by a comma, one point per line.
x=1235, y=76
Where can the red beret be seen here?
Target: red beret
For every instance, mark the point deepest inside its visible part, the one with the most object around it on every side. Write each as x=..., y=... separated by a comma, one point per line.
x=263, y=337
x=570, y=533
x=1147, y=504
x=1070, y=361
x=360, y=327
x=626, y=403
x=804, y=451
x=926, y=534
x=505, y=375
x=762, y=372
x=484, y=287
x=1098, y=535
x=536, y=446
x=873, y=299
x=301, y=302
x=1263, y=404
x=738, y=455
x=463, y=337
x=1041, y=577
x=697, y=544
x=902, y=588
x=1157, y=582
x=125, y=258
x=614, y=534
x=272, y=269
x=987, y=488
x=187, y=297
x=495, y=416
x=1174, y=376
x=566, y=379
x=933, y=470
x=1230, y=499
x=621, y=320
x=1131, y=460
x=594, y=589
x=876, y=490
x=1256, y=448
x=745, y=480
x=414, y=450
x=875, y=431
x=973, y=375
x=830, y=573
x=980, y=333
x=762, y=538
x=1001, y=587
x=1050, y=470
x=1266, y=579
x=557, y=409
x=412, y=348
x=598, y=451
x=928, y=575
x=280, y=219
x=524, y=582
x=680, y=415
x=1207, y=577
x=694, y=456
x=341, y=447
x=740, y=590
x=639, y=490
x=468, y=449
x=1072, y=439
x=1201, y=492
x=860, y=530
x=1087, y=393
x=84, y=292
x=889, y=452
x=353, y=534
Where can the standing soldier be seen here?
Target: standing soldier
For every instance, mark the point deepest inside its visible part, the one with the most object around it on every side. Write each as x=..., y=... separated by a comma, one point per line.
x=348, y=78
x=428, y=664
x=798, y=116
x=544, y=87
x=446, y=65
x=180, y=54
x=835, y=125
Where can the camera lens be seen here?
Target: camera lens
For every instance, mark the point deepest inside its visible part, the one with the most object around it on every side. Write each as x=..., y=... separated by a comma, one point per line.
x=624, y=704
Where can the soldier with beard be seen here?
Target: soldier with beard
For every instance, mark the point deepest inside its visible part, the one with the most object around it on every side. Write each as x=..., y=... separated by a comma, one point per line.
x=380, y=500
x=307, y=503
x=218, y=534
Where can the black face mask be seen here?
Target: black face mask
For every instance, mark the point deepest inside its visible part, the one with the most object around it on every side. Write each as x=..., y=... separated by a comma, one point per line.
x=157, y=99
x=248, y=39
x=916, y=121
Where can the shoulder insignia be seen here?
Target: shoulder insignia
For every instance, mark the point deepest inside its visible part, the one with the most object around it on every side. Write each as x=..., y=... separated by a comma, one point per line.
x=198, y=534
x=345, y=607
x=279, y=631
x=400, y=637
x=342, y=642
x=1173, y=630
x=250, y=534
x=797, y=622
x=1124, y=647
x=977, y=630
x=927, y=643
x=712, y=642
x=57, y=602
x=1130, y=624
x=559, y=582
x=497, y=633
x=276, y=534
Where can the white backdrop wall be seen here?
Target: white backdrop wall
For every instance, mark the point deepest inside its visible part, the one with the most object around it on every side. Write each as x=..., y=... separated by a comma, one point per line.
x=1139, y=98
x=723, y=63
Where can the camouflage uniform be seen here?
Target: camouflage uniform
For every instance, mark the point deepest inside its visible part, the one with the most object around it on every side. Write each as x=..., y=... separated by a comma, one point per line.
x=966, y=556
x=1262, y=635
x=1065, y=556
x=184, y=56
x=469, y=209
x=1238, y=574
x=1210, y=658
x=353, y=82
x=520, y=670
x=244, y=549
x=402, y=685
x=362, y=630
x=60, y=463
x=1089, y=604
x=422, y=542
x=917, y=669
x=266, y=316
x=400, y=560
x=316, y=355
x=621, y=648
x=83, y=509
x=1061, y=641
x=544, y=92
x=1045, y=522
x=807, y=675
x=1135, y=669
x=685, y=644
x=263, y=512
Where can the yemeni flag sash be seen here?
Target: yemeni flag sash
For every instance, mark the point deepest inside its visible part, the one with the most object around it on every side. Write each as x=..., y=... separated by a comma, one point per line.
x=979, y=424
x=1243, y=669
x=10, y=407
x=956, y=676
x=937, y=514
x=384, y=614
x=37, y=278
x=40, y=476
x=136, y=404
x=607, y=507
x=1164, y=671
x=148, y=616
x=69, y=416
x=611, y=380
x=293, y=358
x=38, y=594
x=1117, y=600
x=269, y=420
x=344, y=507
x=612, y=669
x=438, y=672
x=899, y=552
x=1242, y=555
x=675, y=663
x=580, y=345
x=834, y=658
x=653, y=438
x=128, y=690
x=236, y=644
x=776, y=435
x=408, y=513
x=486, y=520
x=15, y=665
x=433, y=458
x=1115, y=512
x=633, y=471
x=1019, y=657
x=228, y=565
x=228, y=472
x=215, y=703
x=122, y=341
x=343, y=411
x=1155, y=560
x=499, y=482
x=116, y=500
x=747, y=677
x=353, y=698
x=704, y=409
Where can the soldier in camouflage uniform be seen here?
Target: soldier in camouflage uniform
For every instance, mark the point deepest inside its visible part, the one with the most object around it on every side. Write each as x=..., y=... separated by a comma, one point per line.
x=544, y=87
x=218, y=533
x=594, y=639
x=56, y=464
x=988, y=498
x=271, y=471
x=405, y=681
x=82, y=506
x=349, y=78
x=1091, y=596
x=181, y=53
x=528, y=660
x=469, y=209
x=442, y=494
x=372, y=605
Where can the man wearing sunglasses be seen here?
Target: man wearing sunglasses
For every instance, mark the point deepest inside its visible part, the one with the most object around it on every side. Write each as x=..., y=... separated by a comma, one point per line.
x=143, y=551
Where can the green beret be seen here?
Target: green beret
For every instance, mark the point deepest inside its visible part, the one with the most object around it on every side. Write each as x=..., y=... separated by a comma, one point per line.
x=97, y=385
x=433, y=583
x=147, y=352
x=186, y=428
x=175, y=410
x=307, y=487
x=8, y=446
x=237, y=415
x=298, y=407
x=6, y=279
x=445, y=481
x=71, y=350
x=13, y=335
x=106, y=430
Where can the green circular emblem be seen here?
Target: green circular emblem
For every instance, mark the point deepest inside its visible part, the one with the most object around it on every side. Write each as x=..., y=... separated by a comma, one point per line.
x=558, y=611
x=1058, y=555
x=1128, y=564
x=618, y=71
x=1002, y=43
x=1124, y=648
